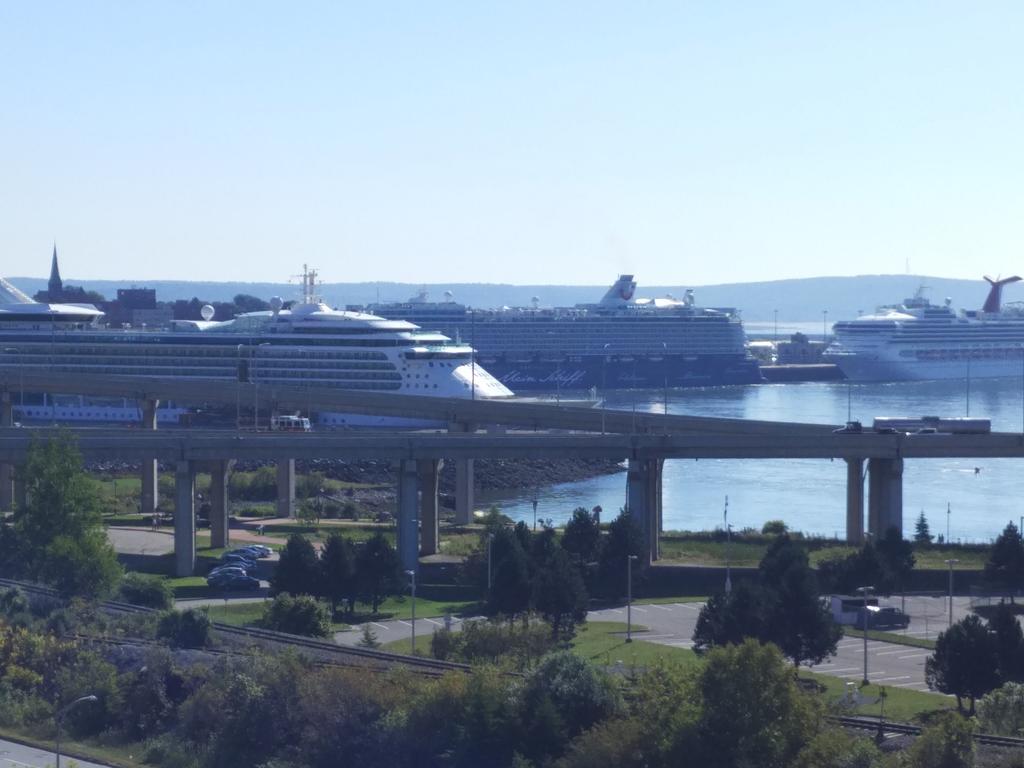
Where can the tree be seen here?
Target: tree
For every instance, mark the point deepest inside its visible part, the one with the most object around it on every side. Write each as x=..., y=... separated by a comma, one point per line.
x=582, y=535
x=1009, y=644
x=510, y=576
x=1005, y=566
x=148, y=590
x=731, y=619
x=298, y=571
x=377, y=570
x=338, y=574
x=897, y=558
x=624, y=538
x=185, y=629
x=58, y=534
x=299, y=615
x=247, y=303
x=964, y=663
x=753, y=712
x=797, y=620
x=947, y=743
x=774, y=528
x=559, y=595
x=922, y=533
x=1002, y=711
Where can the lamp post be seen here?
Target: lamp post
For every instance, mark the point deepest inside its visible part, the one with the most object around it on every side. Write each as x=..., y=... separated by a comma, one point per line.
x=534, y=502
x=951, y=562
x=412, y=580
x=949, y=511
x=238, y=391
x=629, y=597
x=728, y=548
x=664, y=362
x=864, y=612
x=604, y=384
x=60, y=718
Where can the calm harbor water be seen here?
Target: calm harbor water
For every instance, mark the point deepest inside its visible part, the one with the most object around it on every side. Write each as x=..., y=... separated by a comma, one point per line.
x=810, y=494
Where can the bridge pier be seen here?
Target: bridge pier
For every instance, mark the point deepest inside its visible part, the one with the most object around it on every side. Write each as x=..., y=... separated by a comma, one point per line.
x=219, y=530
x=464, y=480
x=184, y=519
x=885, y=496
x=854, y=501
x=643, y=492
x=150, y=469
x=430, y=538
x=407, y=516
x=6, y=470
x=286, y=488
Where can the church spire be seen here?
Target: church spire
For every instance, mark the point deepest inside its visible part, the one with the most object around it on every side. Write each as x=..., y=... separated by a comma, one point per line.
x=55, y=287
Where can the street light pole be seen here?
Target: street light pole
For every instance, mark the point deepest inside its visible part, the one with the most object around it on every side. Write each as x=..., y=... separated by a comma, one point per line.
x=412, y=578
x=60, y=719
x=629, y=597
x=951, y=562
x=864, y=612
x=604, y=384
x=664, y=362
x=949, y=511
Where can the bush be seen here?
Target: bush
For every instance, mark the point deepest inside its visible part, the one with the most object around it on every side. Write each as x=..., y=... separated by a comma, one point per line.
x=185, y=629
x=299, y=615
x=147, y=590
x=774, y=528
x=1002, y=710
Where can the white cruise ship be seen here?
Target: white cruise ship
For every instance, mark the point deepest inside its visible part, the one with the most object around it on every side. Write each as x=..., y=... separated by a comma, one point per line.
x=917, y=340
x=308, y=344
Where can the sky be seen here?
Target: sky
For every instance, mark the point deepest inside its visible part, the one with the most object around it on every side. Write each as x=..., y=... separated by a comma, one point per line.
x=526, y=143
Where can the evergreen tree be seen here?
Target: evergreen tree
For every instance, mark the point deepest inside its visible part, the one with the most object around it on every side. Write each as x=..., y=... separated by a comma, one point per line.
x=897, y=558
x=922, y=533
x=1009, y=644
x=338, y=574
x=624, y=538
x=377, y=570
x=510, y=576
x=964, y=663
x=298, y=571
x=559, y=595
x=731, y=619
x=1005, y=566
x=582, y=535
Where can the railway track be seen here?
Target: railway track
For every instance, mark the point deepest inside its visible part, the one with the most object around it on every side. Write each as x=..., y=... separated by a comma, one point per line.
x=327, y=652
x=872, y=723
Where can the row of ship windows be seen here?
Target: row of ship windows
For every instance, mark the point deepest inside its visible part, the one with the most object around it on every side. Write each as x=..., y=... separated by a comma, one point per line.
x=964, y=354
x=208, y=374
x=187, y=353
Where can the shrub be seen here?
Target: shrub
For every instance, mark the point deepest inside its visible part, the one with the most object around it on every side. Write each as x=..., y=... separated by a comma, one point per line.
x=185, y=629
x=774, y=528
x=147, y=590
x=299, y=615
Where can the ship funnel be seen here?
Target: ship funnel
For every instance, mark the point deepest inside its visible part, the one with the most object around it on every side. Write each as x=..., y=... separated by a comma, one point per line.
x=621, y=291
x=993, y=304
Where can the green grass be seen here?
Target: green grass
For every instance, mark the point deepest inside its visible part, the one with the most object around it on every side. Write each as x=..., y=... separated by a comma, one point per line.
x=401, y=608
x=604, y=642
x=891, y=637
x=900, y=703
x=120, y=756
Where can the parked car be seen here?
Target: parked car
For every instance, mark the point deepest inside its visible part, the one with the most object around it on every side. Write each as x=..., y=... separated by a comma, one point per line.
x=887, y=618
x=238, y=569
x=233, y=581
x=238, y=557
x=256, y=550
x=852, y=427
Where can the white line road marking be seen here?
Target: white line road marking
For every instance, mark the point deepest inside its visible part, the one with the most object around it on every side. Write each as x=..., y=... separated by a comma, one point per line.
x=379, y=626
x=914, y=656
x=887, y=679
x=829, y=670
x=890, y=653
x=638, y=608
x=406, y=623
x=691, y=606
x=435, y=623
x=660, y=607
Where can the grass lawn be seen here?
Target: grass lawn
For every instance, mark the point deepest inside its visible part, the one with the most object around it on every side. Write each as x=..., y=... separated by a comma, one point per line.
x=121, y=756
x=900, y=704
x=401, y=608
x=604, y=642
x=890, y=637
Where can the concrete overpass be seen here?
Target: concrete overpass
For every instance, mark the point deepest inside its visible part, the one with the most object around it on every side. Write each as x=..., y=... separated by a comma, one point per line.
x=418, y=456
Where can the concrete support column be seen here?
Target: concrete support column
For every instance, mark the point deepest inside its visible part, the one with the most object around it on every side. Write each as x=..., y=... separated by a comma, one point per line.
x=184, y=519
x=464, y=480
x=408, y=515
x=642, y=492
x=286, y=488
x=854, y=501
x=6, y=470
x=150, y=470
x=219, y=531
x=430, y=538
x=885, y=496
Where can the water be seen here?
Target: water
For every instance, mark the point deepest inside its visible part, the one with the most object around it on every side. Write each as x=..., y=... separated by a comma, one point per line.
x=810, y=494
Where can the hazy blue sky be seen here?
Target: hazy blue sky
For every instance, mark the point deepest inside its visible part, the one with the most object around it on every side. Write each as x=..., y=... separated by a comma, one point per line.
x=517, y=142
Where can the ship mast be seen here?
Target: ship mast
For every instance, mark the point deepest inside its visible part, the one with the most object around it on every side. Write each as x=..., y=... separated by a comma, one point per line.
x=309, y=285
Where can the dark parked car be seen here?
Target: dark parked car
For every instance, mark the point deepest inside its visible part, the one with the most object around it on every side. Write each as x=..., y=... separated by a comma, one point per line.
x=887, y=618
x=232, y=581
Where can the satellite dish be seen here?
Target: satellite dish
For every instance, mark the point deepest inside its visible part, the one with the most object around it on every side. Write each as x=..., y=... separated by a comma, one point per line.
x=276, y=304
x=206, y=312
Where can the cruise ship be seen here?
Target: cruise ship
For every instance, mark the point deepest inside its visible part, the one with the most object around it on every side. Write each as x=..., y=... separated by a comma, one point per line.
x=618, y=342
x=919, y=340
x=307, y=344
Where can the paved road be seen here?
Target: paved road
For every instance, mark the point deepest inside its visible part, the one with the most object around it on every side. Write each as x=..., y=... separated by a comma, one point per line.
x=14, y=755
x=673, y=624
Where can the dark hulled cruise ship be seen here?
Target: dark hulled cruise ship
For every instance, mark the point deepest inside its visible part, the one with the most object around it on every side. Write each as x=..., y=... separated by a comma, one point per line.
x=619, y=342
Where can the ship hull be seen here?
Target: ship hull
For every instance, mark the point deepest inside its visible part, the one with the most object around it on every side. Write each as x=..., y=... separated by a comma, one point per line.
x=873, y=368
x=539, y=375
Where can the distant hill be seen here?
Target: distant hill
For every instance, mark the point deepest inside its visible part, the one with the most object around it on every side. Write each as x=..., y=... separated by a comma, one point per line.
x=800, y=300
